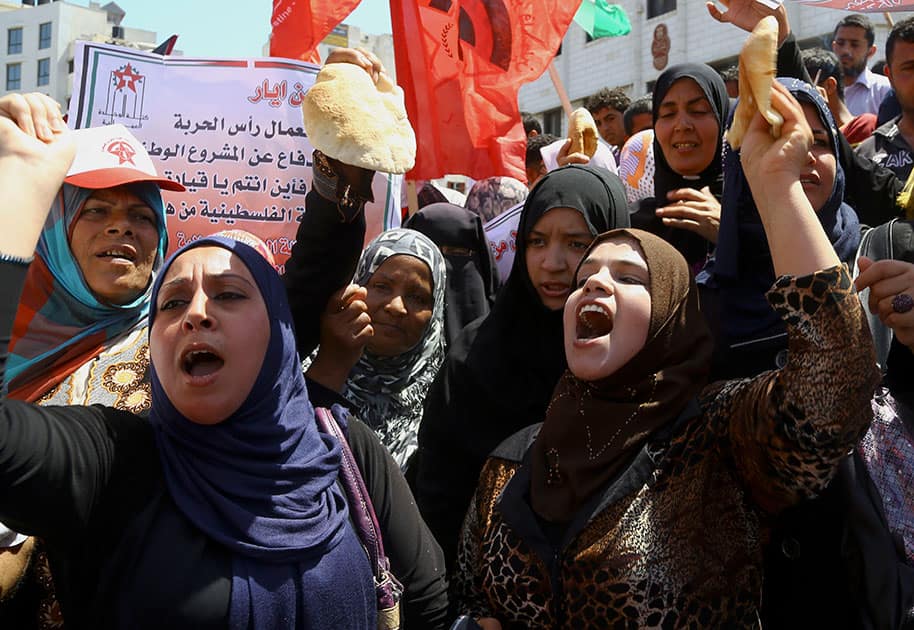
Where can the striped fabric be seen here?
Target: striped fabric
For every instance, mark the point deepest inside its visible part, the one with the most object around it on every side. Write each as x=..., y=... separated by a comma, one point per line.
x=60, y=324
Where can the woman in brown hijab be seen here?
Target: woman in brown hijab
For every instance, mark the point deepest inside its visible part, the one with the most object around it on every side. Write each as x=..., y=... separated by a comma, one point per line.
x=642, y=498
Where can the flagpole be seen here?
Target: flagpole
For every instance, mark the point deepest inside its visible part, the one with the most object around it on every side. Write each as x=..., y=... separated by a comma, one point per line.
x=889, y=19
x=559, y=88
x=412, y=198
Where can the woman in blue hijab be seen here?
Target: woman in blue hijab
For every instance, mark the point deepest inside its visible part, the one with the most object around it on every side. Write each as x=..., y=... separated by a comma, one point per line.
x=750, y=336
x=223, y=509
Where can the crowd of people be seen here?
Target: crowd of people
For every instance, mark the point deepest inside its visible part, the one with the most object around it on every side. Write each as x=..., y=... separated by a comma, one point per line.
x=687, y=404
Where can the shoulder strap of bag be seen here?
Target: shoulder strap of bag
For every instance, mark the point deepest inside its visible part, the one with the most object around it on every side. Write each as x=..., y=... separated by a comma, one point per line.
x=360, y=506
x=388, y=589
x=876, y=244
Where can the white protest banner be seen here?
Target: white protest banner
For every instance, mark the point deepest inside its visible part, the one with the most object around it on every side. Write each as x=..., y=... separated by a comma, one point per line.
x=501, y=232
x=230, y=130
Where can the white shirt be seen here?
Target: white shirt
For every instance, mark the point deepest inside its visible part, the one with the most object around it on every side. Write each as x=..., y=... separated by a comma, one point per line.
x=866, y=93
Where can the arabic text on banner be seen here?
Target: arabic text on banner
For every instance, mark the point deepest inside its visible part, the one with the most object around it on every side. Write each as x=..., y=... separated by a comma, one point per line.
x=230, y=130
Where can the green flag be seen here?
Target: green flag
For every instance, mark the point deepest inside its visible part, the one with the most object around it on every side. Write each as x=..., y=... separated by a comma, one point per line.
x=601, y=19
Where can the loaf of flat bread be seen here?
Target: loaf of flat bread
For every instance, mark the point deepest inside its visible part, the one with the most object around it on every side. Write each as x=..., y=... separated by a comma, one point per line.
x=351, y=118
x=583, y=132
x=757, y=69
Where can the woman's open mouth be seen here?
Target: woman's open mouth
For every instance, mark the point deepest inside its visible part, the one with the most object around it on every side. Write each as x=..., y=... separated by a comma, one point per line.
x=118, y=254
x=201, y=364
x=594, y=321
x=554, y=289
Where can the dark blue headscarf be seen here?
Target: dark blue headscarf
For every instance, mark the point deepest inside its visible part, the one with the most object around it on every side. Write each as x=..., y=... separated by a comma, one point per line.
x=262, y=483
x=743, y=269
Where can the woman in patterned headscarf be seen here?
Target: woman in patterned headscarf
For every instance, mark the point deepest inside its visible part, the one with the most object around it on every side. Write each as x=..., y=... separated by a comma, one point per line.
x=491, y=196
x=400, y=279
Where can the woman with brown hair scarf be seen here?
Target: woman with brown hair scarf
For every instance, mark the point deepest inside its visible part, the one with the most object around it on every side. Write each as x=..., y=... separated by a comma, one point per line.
x=641, y=498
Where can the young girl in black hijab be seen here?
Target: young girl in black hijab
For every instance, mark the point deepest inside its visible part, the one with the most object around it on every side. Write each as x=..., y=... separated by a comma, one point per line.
x=500, y=371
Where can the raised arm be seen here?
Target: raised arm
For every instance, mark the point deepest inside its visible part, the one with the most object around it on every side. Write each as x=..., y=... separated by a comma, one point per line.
x=54, y=462
x=332, y=230
x=773, y=167
x=788, y=429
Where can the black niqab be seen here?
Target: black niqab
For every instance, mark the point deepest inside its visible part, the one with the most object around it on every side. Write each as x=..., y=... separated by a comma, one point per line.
x=472, y=279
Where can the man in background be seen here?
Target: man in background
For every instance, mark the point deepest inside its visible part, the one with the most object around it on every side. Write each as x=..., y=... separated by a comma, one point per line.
x=639, y=116
x=532, y=126
x=853, y=42
x=607, y=107
x=825, y=68
x=890, y=145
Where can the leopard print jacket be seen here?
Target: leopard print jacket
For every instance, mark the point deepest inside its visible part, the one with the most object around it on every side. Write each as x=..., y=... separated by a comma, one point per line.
x=683, y=548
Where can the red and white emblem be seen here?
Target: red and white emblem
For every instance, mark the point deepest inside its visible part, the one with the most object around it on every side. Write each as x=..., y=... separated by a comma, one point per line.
x=121, y=148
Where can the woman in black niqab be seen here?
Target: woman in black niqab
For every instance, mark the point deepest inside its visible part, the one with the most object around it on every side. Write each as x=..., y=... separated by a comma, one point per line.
x=472, y=278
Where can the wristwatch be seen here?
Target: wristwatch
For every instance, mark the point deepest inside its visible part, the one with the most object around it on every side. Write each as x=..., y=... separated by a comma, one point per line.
x=350, y=198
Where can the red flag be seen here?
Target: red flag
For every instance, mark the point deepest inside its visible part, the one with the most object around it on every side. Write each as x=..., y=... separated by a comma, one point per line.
x=300, y=25
x=460, y=64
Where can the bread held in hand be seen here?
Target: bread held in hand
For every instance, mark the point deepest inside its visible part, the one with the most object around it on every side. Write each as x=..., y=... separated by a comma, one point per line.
x=757, y=69
x=582, y=131
x=350, y=118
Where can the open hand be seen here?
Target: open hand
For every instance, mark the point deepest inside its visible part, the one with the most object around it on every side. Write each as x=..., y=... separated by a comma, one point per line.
x=746, y=14
x=694, y=210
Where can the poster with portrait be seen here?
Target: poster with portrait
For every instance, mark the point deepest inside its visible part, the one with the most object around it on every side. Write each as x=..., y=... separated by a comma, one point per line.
x=230, y=130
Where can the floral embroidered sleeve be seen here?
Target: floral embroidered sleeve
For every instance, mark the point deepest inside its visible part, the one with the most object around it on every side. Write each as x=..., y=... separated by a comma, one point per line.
x=787, y=429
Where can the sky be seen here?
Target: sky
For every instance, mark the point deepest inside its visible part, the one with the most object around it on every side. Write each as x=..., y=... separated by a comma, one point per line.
x=215, y=28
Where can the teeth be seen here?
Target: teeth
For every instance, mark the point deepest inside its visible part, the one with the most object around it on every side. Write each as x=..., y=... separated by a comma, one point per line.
x=591, y=308
x=593, y=321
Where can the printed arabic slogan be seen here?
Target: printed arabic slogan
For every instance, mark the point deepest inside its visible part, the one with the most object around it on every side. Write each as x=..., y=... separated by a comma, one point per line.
x=230, y=130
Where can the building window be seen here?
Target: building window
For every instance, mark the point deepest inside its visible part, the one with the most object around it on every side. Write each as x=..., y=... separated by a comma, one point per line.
x=13, y=76
x=44, y=35
x=552, y=122
x=659, y=7
x=14, y=41
x=44, y=71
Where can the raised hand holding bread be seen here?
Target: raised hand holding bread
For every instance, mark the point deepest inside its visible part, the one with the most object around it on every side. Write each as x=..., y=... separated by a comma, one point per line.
x=757, y=65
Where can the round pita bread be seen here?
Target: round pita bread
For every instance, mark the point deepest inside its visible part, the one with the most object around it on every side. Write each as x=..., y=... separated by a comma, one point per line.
x=349, y=118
